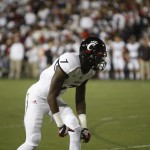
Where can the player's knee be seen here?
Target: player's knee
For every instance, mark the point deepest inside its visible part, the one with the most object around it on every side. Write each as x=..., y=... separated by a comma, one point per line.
x=36, y=138
x=75, y=136
x=78, y=130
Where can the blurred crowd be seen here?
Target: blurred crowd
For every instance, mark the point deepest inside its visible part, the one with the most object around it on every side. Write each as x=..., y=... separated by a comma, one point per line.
x=34, y=33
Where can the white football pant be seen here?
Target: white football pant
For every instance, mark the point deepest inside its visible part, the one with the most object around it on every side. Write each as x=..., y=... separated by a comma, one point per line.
x=35, y=109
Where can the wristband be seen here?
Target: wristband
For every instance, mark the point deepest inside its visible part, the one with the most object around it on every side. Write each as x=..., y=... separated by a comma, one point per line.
x=82, y=118
x=58, y=119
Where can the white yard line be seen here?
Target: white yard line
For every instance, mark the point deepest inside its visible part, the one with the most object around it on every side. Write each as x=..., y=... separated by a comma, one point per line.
x=127, y=148
x=11, y=126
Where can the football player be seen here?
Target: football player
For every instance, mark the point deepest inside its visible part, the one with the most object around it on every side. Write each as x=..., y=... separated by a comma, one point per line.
x=69, y=70
x=133, y=64
x=118, y=48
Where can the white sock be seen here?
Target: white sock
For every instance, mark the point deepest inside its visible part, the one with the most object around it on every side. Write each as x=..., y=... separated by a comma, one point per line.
x=75, y=142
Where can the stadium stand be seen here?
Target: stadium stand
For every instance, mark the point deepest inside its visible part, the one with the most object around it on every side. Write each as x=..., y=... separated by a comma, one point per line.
x=49, y=28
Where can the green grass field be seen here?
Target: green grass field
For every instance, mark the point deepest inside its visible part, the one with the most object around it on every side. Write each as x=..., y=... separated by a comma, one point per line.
x=118, y=115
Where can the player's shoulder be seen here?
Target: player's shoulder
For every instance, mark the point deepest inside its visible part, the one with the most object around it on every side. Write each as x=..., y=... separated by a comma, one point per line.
x=70, y=58
x=69, y=61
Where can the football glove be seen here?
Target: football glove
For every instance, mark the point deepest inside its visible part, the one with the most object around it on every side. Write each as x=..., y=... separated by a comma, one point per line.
x=63, y=131
x=85, y=135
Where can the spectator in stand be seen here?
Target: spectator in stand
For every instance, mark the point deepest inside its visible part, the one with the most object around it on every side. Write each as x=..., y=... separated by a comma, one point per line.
x=42, y=59
x=86, y=22
x=3, y=20
x=30, y=17
x=28, y=42
x=49, y=56
x=48, y=19
x=118, y=21
x=1, y=71
x=16, y=58
x=32, y=66
x=118, y=47
x=133, y=64
x=43, y=13
x=144, y=56
x=5, y=47
x=2, y=51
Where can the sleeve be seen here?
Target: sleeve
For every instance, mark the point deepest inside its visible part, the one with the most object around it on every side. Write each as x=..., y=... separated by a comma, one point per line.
x=67, y=63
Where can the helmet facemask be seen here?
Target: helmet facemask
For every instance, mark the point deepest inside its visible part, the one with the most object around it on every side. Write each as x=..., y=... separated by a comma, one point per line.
x=97, y=60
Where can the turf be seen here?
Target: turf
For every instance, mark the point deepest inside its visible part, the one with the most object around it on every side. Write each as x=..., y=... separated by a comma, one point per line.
x=118, y=115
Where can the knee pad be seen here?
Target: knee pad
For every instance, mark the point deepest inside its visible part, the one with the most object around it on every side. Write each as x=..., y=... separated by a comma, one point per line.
x=69, y=118
x=34, y=140
x=78, y=130
x=75, y=136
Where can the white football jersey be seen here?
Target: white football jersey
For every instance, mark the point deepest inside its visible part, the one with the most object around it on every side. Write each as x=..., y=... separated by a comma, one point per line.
x=133, y=49
x=70, y=64
x=118, y=48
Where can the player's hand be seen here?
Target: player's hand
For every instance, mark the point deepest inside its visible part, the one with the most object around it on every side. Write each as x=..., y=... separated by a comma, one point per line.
x=85, y=135
x=63, y=131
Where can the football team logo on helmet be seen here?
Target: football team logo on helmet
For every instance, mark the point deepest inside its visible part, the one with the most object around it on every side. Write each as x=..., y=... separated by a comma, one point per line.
x=93, y=43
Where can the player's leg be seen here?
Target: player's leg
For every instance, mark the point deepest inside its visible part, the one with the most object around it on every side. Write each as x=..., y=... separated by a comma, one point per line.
x=18, y=68
x=147, y=70
x=12, y=69
x=137, y=69
x=142, y=70
x=71, y=121
x=33, y=123
x=115, y=66
x=75, y=142
x=107, y=71
x=130, y=67
x=121, y=65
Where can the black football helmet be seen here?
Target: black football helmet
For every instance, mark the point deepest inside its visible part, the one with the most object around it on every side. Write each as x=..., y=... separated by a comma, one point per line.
x=92, y=54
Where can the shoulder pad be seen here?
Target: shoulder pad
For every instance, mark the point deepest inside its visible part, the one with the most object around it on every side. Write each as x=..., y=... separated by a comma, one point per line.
x=68, y=62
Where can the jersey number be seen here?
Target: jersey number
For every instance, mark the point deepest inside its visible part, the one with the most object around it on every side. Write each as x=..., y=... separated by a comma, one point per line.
x=66, y=61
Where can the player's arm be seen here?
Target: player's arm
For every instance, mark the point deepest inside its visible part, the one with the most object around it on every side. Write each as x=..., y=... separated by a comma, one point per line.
x=81, y=104
x=56, y=85
x=81, y=110
x=80, y=98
